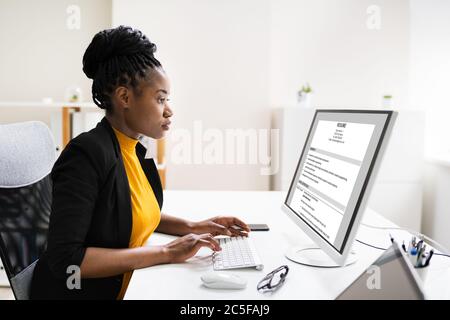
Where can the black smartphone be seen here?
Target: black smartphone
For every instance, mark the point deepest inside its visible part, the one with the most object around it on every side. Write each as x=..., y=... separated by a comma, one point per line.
x=258, y=227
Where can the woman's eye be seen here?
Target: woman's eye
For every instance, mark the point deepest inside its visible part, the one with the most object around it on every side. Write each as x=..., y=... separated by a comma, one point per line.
x=162, y=100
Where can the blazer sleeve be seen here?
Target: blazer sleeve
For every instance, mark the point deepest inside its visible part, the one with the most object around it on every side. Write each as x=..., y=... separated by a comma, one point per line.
x=75, y=178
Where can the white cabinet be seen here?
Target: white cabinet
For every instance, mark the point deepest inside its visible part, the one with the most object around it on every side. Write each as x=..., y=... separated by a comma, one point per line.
x=397, y=192
x=436, y=199
x=398, y=189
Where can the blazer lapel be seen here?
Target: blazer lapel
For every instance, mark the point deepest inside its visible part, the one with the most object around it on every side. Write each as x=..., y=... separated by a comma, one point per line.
x=151, y=172
x=122, y=186
x=123, y=204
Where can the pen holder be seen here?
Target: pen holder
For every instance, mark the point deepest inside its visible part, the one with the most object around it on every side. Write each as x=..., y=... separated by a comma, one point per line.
x=422, y=272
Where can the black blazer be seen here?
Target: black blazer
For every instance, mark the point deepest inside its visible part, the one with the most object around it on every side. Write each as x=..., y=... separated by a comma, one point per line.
x=91, y=208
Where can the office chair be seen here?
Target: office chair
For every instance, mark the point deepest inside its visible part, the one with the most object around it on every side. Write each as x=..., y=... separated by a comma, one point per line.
x=27, y=154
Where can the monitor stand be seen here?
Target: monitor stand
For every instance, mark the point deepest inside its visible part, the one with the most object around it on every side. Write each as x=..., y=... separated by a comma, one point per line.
x=316, y=257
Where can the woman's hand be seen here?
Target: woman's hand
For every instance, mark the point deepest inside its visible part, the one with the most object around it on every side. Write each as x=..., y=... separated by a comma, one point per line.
x=187, y=246
x=228, y=226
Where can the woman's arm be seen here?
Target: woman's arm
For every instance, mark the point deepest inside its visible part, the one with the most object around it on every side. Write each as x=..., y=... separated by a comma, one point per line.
x=105, y=262
x=216, y=226
x=174, y=226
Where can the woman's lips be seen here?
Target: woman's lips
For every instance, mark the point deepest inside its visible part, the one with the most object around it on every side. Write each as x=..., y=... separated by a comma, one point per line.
x=166, y=125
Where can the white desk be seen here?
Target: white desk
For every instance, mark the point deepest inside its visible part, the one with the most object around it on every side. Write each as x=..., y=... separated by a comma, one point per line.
x=182, y=281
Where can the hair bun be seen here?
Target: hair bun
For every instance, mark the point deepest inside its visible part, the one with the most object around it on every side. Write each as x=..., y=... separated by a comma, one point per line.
x=120, y=41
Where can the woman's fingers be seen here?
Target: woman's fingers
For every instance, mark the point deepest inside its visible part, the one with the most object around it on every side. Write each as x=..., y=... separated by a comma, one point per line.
x=206, y=243
x=220, y=229
x=234, y=225
x=236, y=232
x=209, y=238
x=241, y=224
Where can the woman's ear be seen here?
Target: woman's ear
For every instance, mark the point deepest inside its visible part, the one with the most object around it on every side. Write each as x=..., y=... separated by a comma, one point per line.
x=122, y=97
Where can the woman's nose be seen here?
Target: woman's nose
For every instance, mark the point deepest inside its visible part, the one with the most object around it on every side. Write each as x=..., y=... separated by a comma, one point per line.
x=167, y=113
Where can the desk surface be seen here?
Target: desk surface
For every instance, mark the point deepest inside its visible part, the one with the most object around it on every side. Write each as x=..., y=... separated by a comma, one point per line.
x=182, y=281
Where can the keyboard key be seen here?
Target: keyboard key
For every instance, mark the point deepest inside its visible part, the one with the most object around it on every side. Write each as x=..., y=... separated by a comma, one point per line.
x=237, y=252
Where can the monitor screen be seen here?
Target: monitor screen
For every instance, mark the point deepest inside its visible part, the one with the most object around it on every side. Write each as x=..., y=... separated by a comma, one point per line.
x=333, y=171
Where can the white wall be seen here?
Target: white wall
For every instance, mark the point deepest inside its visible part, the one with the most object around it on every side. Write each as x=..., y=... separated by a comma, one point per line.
x=39, y=56
x=231, y=60
x=430, y=69
x=329, y=44
x=216, y=55
x=430, y=81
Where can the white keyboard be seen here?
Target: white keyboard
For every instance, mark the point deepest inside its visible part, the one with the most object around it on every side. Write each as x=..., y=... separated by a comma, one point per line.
x=237, y=252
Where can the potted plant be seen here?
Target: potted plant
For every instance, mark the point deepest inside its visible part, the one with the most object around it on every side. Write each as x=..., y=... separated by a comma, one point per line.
x=73, y=94
x=387, y=101
x=304, y=96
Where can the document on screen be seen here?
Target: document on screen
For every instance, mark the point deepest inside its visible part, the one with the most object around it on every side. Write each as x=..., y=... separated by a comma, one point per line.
x=329, y=173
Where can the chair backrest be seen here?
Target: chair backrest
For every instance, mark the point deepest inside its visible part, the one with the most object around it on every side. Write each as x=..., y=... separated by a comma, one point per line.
x=27, y=154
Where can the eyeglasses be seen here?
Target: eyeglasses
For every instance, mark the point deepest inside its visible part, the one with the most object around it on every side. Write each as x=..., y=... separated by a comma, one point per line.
x=274, y=279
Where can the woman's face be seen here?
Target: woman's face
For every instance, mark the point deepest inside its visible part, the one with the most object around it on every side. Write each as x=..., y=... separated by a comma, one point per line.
x=148, y=111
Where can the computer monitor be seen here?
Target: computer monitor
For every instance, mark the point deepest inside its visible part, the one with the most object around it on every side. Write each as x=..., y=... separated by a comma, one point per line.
x=332, y=182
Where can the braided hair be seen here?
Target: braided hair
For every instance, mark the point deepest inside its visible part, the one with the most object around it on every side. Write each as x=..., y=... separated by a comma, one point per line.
x=117, y=57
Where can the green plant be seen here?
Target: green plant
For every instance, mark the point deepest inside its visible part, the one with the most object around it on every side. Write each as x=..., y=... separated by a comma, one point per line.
x=306, y=88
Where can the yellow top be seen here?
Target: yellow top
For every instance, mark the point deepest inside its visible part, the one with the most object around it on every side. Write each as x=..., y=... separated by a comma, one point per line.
x=144, y=206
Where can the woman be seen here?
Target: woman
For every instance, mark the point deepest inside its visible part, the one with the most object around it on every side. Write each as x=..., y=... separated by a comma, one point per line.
x=106, y=196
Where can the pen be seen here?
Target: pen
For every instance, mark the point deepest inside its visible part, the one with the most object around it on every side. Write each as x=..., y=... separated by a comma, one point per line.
x=423, y=261
x=419, y=245
x=420, y=255
x=418, y=262
x=430, y=254
x=392, y=238
x=404, y=247
x=412, y=243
